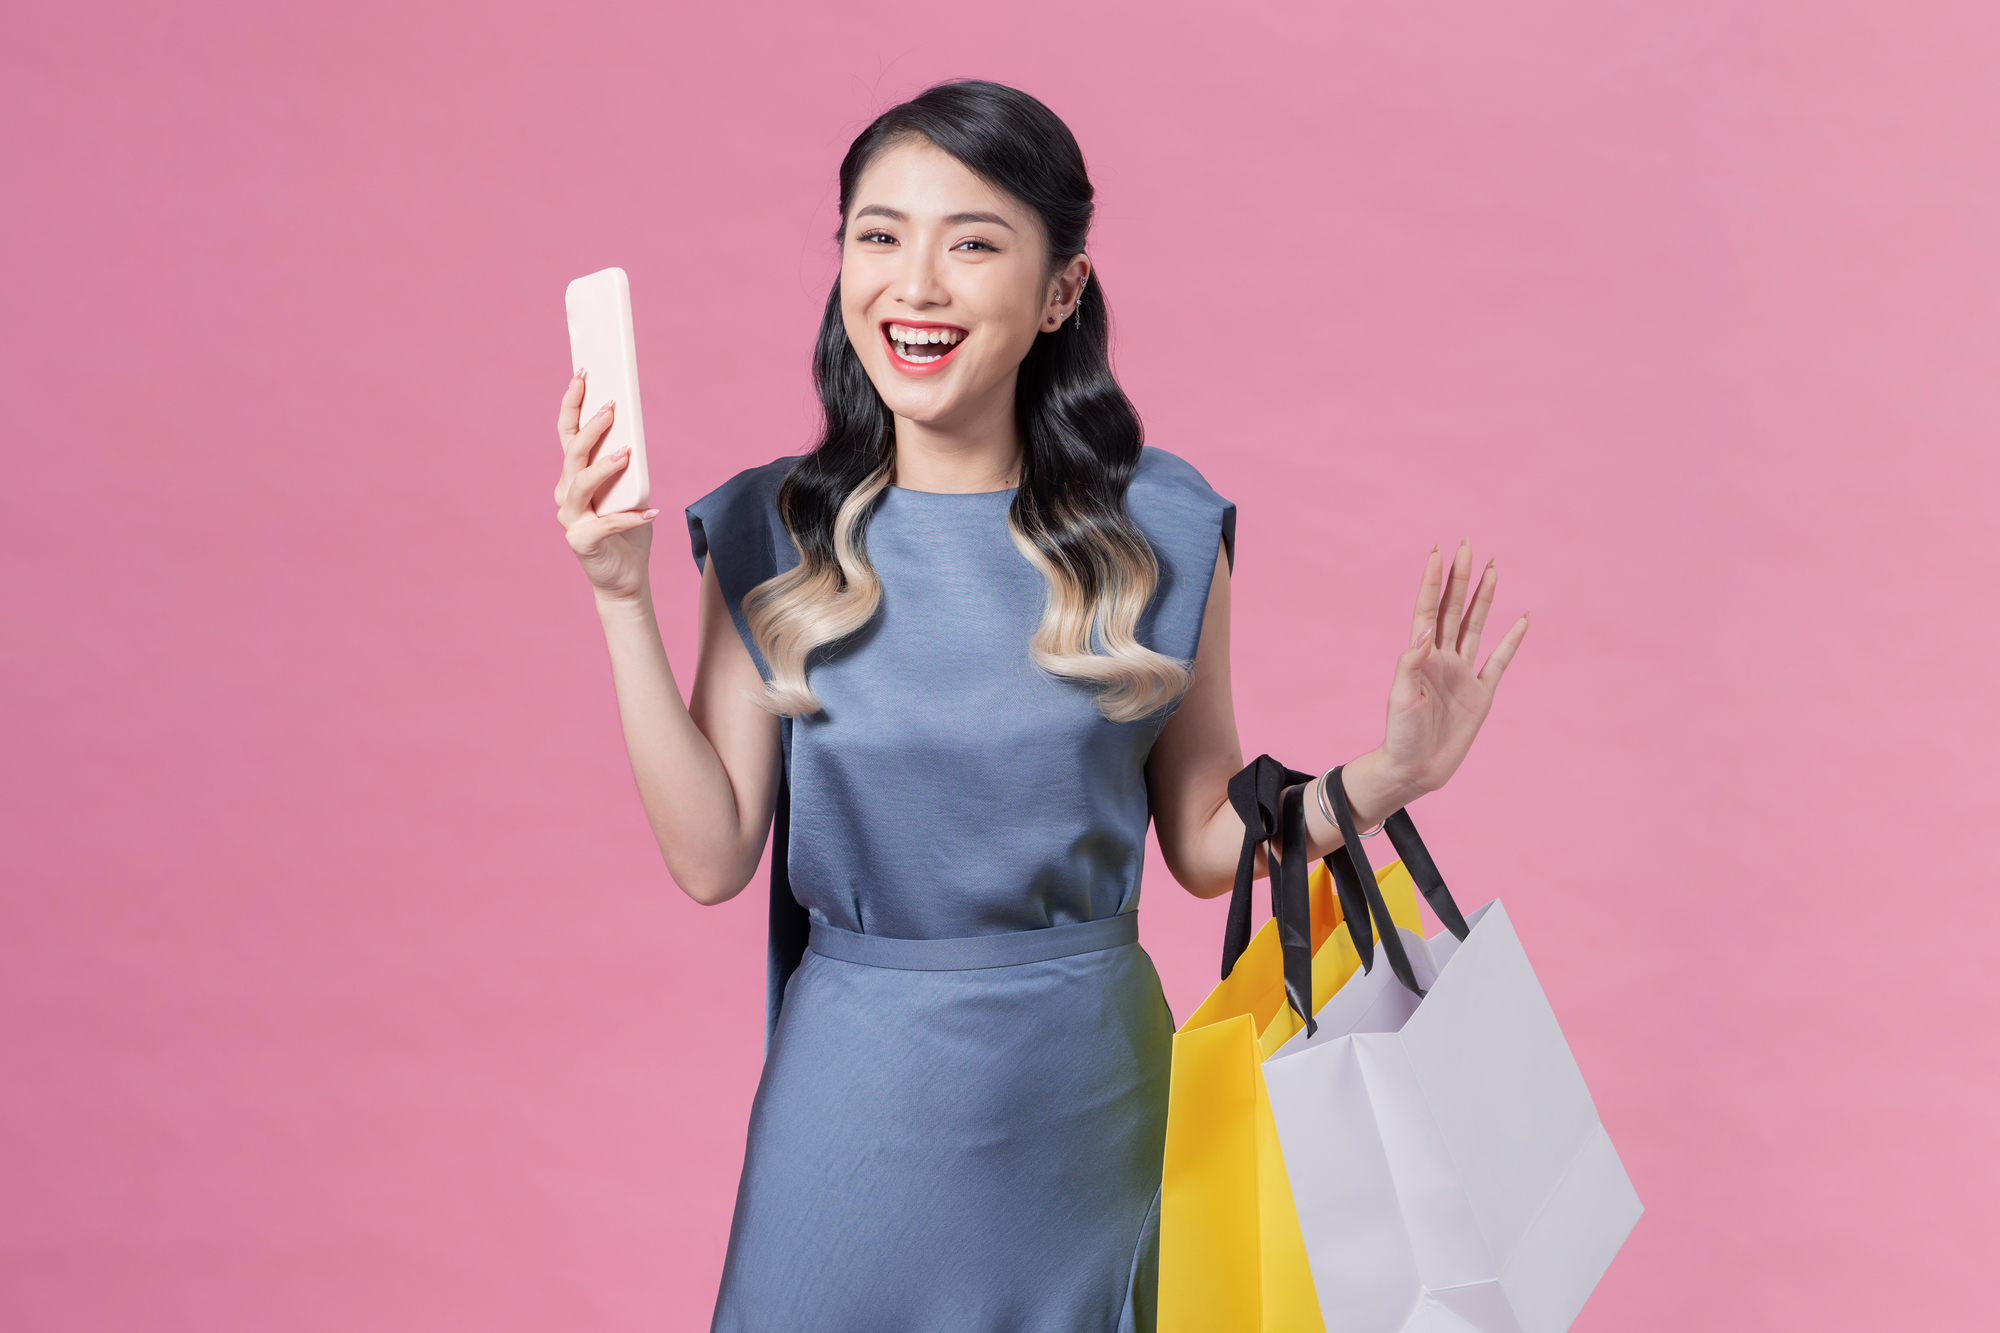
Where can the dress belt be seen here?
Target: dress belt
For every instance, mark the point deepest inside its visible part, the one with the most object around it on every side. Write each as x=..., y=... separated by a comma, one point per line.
x=971, y=952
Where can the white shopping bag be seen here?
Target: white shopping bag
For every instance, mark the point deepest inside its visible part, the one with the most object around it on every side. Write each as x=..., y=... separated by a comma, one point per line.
x=1445, y=1157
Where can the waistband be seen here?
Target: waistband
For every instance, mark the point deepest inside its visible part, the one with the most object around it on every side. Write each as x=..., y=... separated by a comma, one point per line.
x=972, y=952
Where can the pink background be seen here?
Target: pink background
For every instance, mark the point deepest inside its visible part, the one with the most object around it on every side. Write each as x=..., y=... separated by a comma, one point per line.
x=340, y=983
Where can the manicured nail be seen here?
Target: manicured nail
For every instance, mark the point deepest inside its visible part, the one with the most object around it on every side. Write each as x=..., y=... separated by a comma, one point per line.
x=649, y=513
x=606, y=408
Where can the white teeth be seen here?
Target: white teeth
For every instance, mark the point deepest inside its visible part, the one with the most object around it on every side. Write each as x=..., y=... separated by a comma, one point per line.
x=899, y=333
x=906, y=339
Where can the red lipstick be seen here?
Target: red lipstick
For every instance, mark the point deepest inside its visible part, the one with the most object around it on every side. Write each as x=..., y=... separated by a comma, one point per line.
x=918, y=369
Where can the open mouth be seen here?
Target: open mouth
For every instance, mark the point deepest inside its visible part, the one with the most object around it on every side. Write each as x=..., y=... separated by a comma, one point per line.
x=922, y=344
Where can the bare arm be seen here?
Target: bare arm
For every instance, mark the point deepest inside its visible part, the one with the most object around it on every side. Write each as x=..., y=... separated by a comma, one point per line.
x=1436, y=706
x=707, y=771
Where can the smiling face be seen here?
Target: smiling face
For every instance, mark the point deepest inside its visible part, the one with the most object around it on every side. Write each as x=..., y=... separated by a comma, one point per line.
x=944, y=285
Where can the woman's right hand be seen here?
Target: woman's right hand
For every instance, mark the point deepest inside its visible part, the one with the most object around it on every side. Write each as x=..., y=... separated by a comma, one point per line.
x=612, y=548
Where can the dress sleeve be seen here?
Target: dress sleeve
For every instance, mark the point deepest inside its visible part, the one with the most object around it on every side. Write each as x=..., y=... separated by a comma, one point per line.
x=737, y=526
x=1183, y=520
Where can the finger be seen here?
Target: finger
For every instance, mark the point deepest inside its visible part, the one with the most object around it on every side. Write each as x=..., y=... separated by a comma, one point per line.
x=587, y=435
x=1503, y=653
x=601, y=471
x=1423, y=624
x=577, y=447
x=583, y=487
x=576, y=489
x=1411, y=663
x=1475, y=616
x=1454, y=594
x=571, y=409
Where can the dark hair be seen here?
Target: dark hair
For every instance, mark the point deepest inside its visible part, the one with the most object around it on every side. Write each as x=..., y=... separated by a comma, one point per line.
x=1081, y=437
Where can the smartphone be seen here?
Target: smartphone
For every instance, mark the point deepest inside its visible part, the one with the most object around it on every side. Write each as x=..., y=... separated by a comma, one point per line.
x=601, y=346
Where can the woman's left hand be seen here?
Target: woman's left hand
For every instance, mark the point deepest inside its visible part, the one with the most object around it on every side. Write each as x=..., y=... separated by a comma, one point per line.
x=1437, y=701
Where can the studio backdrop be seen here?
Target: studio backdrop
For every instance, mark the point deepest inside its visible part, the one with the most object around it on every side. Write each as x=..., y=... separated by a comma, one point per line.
x=341, y=985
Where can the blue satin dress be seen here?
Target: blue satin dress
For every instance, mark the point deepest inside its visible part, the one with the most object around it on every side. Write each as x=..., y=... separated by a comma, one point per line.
x=963, y=1105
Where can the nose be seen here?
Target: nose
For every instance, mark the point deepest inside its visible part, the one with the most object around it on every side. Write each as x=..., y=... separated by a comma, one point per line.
x=920, y=286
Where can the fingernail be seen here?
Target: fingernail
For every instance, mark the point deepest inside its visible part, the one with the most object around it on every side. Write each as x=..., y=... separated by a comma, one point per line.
x=650, y=513
x=602, y=410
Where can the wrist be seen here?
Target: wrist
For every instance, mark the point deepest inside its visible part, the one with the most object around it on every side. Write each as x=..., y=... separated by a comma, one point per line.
x=1377, y=787
x=625, y=606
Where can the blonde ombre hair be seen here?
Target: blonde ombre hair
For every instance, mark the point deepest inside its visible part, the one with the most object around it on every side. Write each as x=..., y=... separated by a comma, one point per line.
x=1081, y=442
x=1088, y=630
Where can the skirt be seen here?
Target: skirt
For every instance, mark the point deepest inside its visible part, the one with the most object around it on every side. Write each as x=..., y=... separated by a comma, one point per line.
x=957, y=1136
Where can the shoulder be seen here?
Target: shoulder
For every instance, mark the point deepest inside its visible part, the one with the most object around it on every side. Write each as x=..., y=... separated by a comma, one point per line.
x=1178, y=510
x=736, y=526
x=1183, y=520
x=740, y=519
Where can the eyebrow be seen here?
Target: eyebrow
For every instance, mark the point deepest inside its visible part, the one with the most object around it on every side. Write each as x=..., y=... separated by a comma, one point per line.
x=883, y=211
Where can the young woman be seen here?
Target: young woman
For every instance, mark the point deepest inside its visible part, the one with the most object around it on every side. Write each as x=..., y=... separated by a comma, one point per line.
x=965, y=649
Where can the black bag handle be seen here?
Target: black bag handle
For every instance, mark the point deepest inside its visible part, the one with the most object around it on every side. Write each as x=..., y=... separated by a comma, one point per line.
x=1361, y=898
x=1270, y=798
x=1417, y=860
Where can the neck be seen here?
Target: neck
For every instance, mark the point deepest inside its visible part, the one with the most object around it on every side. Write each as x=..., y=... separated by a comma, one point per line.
x=961, y=457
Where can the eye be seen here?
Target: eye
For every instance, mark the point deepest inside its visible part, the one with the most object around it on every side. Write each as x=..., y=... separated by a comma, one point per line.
x=976, y=243
x=879, y=237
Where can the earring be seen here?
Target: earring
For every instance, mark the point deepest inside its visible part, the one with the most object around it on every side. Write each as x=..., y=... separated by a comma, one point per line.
x=1056, y=320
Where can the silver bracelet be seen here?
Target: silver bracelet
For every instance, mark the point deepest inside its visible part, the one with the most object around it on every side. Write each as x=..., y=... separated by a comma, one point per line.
x=1326, y=808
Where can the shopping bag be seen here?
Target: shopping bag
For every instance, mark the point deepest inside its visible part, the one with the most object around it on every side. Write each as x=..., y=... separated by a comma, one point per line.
x=1444, y=1155
x=1232, y=1258
x=1357, y=1149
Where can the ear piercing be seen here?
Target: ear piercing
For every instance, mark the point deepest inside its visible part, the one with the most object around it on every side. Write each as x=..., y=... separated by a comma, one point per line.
x=1056, y=320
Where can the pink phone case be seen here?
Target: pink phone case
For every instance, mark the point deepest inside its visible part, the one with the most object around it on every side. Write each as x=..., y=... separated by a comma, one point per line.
x=600, y=345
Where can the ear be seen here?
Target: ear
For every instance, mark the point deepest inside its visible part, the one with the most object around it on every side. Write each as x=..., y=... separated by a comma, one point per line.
x=1065, y=290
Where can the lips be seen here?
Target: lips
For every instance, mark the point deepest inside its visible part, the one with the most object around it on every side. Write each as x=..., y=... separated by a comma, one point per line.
x=917, y=347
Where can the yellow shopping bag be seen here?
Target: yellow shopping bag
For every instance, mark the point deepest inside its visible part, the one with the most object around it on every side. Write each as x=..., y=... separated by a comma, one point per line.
x=1231, y=1256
